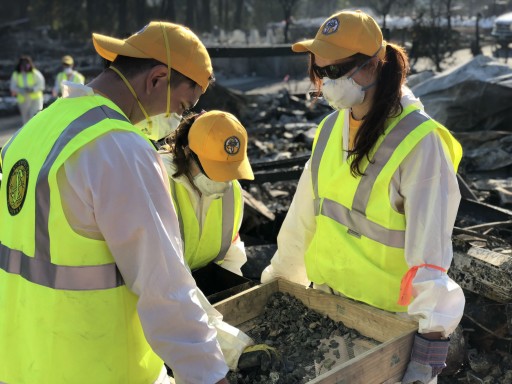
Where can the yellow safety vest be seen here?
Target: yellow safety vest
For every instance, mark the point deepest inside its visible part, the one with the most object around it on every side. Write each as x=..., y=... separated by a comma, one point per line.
x=66, y=315
x=75, y=78
x=358, y=245
x=30, y=82
x=211, y=240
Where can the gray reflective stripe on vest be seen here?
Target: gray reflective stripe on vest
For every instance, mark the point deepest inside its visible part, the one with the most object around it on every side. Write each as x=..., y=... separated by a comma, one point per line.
x=59, y=276
x=382, y=156
x=39, y=269
x=358, y=225
x=320, y=146
x=228, y=220
x=178, y=213
x=355, y=220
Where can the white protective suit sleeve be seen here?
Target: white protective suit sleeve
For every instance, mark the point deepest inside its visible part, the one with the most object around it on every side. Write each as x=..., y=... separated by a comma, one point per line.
x=295, y=234
x=236, y=257
x=116, y=188
x=431, y=200
x=40, y=82
x=425, y=186
x=232, y=340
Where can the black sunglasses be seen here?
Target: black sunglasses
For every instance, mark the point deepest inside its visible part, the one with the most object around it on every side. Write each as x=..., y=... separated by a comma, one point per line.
x=334, y=71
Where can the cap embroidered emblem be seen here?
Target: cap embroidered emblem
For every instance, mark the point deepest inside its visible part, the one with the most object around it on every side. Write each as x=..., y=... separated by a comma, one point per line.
x=331, y=26
x=17, y=183
x=232, y=145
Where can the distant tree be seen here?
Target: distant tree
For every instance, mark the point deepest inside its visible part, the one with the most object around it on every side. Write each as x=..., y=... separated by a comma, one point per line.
x=431, y=37
x=206, y=16
x=168, y=10
x=288, y=7
x=23, y=8
x=225, y=17
x=220, y=13
x=190, y=14
x=383, y=7
x=140, y=12
x=122, y=17
x=90, y=13
x=237, y=17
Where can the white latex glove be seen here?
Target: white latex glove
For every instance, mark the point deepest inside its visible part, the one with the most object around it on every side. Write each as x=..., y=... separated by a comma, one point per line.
x=418, y=373
x=427, y=360
x=232, y=341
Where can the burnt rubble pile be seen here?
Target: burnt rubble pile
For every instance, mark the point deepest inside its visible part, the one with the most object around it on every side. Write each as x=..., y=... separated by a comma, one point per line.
x=307, y=342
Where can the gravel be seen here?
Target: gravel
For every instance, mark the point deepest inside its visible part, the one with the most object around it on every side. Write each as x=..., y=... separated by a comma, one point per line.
x=307, y=342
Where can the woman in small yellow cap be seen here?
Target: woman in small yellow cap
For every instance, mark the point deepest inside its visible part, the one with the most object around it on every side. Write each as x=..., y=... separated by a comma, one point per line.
x=374, y=209
x=204, y=157
x=208, y=154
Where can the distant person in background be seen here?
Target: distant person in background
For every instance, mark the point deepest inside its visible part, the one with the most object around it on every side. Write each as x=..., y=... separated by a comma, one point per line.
x=68, y=73
x=27, y=85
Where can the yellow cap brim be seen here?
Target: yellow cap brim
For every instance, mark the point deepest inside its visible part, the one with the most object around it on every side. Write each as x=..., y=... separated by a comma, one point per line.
x=109, y=47
x=227, y=171
x=323, y=49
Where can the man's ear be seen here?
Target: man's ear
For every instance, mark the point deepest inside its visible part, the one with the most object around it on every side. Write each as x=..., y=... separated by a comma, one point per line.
x=156, y=77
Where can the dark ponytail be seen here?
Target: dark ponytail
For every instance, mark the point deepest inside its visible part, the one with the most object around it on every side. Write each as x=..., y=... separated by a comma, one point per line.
x=177, y=141
x=386, y=103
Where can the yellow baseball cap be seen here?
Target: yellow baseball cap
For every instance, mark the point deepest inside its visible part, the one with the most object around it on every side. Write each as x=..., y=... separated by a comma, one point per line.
x=220, y=142
x=344, y=34
x=68, y=60
x=188, y=55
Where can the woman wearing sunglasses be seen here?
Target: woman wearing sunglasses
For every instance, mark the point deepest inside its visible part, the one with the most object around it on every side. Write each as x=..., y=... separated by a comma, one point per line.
x=374, y=209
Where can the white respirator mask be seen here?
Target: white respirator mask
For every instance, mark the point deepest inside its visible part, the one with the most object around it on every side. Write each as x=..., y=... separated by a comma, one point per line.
x=209, y=187
x=160, y=127
x=344, y=93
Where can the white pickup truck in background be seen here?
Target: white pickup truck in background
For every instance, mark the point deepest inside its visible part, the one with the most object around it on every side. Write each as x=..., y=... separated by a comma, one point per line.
x=502, y=29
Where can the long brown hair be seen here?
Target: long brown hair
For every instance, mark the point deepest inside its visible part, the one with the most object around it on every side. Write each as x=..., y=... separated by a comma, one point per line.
x=176, y=143
x=25, y=59
x=392, y=73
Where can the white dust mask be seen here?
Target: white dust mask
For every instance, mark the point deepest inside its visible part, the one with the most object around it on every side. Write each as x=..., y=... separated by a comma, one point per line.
x=68, y=70
x=160, y=126
x=342, y=93
x=210, y=188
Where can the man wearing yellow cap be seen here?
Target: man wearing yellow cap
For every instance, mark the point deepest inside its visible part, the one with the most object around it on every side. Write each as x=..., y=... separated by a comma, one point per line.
x=93, y=287
x=68, y=73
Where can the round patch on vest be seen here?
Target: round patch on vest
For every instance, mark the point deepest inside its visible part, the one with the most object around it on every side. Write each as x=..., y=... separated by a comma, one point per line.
x=232, y=145
x=331, y=26
x=17, y=183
